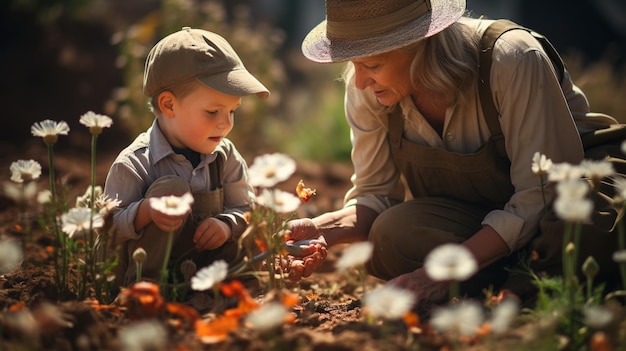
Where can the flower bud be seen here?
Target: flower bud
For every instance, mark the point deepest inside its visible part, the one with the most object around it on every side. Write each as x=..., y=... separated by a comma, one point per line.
x=140, y=255
x=590, y=267
x=188, y=268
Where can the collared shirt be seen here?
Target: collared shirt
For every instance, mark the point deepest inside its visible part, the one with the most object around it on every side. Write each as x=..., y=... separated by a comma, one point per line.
x=150, y=156
x=537, y=115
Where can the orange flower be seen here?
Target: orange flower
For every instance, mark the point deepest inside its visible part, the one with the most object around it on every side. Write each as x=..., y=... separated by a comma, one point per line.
x=289, y=299
x=411, y=319
x=17, y=306
x=216, y=330
x=143, y=300
x=188, y=313
x=246, y=302
x=304, y=193
x=261, y=244
x=599, y=342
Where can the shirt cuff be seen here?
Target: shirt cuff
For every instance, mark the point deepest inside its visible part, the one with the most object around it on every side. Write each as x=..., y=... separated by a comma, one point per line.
x=507, y=225
x=377, y=203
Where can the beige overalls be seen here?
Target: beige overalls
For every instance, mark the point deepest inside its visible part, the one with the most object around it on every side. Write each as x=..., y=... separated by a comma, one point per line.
x=452, y=194
x=153, y=240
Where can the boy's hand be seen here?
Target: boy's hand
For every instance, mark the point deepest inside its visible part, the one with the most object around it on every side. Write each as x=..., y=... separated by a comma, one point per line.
x=211, y=234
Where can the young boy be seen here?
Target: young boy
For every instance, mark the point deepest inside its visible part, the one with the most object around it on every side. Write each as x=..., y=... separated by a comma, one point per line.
x=195, y=81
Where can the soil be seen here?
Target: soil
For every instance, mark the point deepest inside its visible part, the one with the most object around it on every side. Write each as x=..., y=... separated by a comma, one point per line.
x=35, y=316
x=328, y=313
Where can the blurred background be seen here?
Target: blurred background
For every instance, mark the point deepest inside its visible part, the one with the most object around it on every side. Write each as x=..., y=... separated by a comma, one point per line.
x=62, y=58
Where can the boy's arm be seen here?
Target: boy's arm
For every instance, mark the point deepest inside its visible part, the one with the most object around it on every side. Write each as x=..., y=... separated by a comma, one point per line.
x=126, y=186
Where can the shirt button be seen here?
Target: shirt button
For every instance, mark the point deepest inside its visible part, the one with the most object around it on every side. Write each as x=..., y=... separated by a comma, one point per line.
x=450, y=136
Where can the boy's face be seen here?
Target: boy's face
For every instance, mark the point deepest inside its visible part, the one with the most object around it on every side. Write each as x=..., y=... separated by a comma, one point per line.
x=201, y=119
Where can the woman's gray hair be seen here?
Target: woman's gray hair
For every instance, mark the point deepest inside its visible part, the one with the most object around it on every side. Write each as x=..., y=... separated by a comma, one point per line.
x=445, y=64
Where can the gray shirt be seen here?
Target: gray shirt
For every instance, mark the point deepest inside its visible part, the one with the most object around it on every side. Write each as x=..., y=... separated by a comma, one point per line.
x=150, y=156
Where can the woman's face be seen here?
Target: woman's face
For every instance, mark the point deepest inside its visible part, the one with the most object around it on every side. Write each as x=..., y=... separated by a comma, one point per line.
x=387, y=75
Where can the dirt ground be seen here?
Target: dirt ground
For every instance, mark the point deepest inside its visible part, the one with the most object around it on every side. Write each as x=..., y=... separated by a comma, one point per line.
x=328, y=315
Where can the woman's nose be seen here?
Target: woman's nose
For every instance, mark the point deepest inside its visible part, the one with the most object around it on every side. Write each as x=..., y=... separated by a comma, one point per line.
x=362, y=79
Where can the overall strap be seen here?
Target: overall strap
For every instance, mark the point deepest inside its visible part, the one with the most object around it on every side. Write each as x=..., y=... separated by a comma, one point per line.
x=493, y=32
x=216, y=172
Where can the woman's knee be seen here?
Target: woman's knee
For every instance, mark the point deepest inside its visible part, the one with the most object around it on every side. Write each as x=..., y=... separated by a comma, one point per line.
x=401, y=242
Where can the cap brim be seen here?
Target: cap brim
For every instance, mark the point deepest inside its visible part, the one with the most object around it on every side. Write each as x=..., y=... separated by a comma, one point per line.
x=317, y=47
x=235, y=83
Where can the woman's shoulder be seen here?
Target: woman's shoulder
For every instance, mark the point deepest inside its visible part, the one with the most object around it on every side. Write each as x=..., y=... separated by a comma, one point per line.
x=512, y=43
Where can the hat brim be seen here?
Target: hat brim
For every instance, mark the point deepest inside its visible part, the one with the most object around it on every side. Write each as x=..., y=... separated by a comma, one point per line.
x=318, y=47
x=235, y=83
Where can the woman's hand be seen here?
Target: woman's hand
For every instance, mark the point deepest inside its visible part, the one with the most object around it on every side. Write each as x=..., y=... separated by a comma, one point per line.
x=424, y=289
x=211, y=234
x=307, y=249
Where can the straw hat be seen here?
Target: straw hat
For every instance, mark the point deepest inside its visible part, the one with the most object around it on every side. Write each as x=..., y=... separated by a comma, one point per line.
x=359, y=28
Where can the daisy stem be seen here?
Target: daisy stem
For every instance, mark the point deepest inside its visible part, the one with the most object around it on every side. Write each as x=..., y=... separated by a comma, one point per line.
x=543, y=194
x=138, y=265
x=621, y=242
x=454, y=289
x=567, y=264
x=90, y=262
x=168, y=249
x=60, y=276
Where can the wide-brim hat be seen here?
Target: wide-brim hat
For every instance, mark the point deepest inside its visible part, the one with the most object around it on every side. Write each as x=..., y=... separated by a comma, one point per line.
x=360, y=28
x=201, y=55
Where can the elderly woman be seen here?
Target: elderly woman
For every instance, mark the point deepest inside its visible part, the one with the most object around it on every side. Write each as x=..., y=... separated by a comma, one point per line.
x=430, y=165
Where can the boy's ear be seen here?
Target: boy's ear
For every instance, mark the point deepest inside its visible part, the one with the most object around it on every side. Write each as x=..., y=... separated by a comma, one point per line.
x=166, y=103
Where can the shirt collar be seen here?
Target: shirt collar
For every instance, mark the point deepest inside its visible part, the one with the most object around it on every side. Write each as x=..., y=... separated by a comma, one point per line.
x=160, y=148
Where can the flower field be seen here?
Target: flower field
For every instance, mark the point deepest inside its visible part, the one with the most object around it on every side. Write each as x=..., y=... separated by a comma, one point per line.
x=56, y=289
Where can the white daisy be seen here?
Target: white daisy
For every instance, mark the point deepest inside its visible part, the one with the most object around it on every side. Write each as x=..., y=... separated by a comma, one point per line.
x=597, y=317
x=172, y=205
x=20, y=194
x=388, y=302
x=355, y=255
x=11, y=256
x=76, y=221
x=25, y=170
x=450, y=262
x=144, y=335
x=503, y=314
x=95, y=122
x=268, y=317
x=44, y=196
x=464, y=318
x=564, y=171
x=541, y=164
x=573, y=210
x=207, y=277
x=572, y=189
x=619, y=256
x=49, y=130
x=278, y=200
x=270, y=169
x=596, y=169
